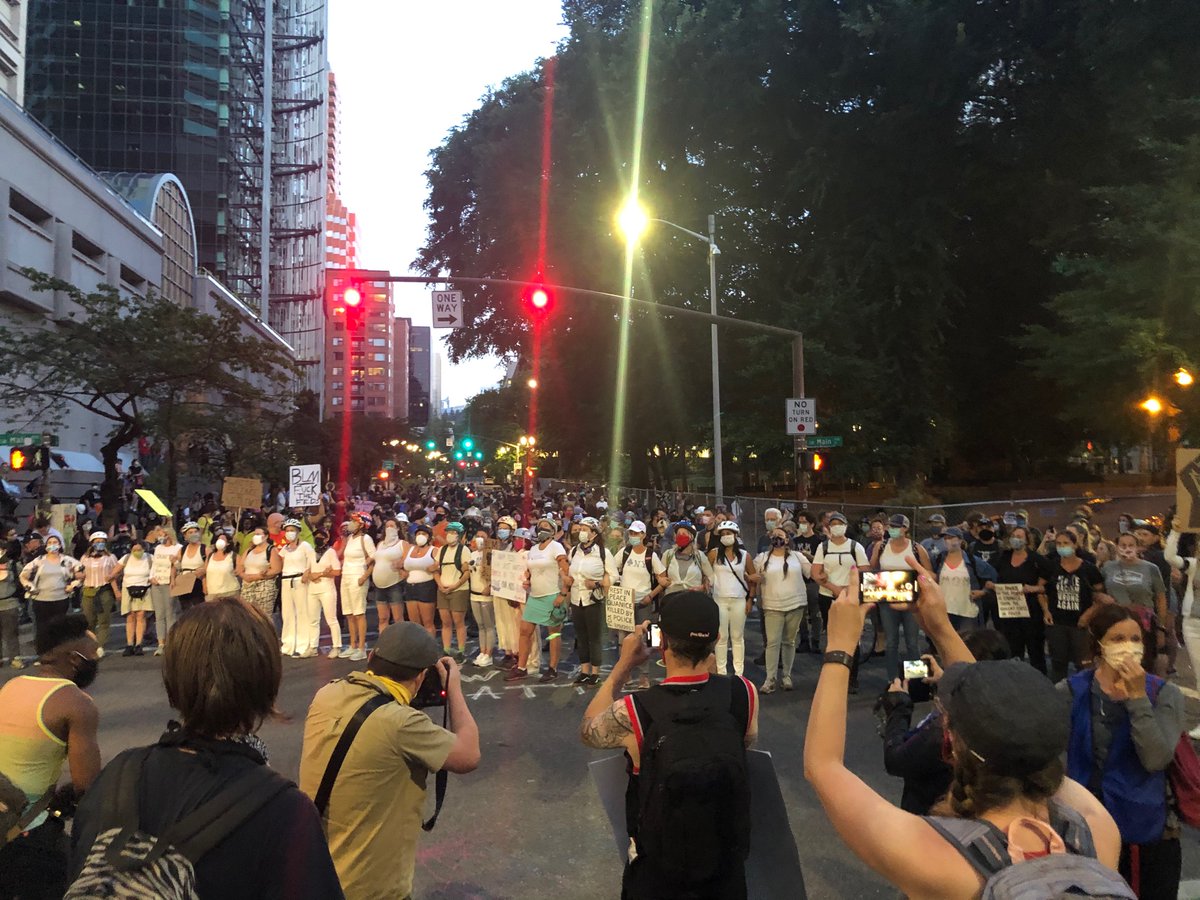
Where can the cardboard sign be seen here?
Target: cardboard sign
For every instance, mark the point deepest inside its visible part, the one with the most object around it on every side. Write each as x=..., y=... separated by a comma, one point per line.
x=773, y=868
x=364, y=506
x=1010, y=599
x=242, y=493
x=1187, y=490
x=63, y=518
x=618, y=610
x=508, y=575
x=304, y=485
x=185, y=583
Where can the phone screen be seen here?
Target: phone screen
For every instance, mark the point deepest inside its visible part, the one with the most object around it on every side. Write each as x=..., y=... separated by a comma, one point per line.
x=894, y=586
x=916, y=668
x=654, y=636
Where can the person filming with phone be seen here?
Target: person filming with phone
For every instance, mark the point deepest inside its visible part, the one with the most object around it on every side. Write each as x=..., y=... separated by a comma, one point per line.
x=368, y=752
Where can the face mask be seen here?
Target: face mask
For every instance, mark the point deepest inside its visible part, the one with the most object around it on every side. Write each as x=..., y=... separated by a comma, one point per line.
x=222, y=543
x=451, y=537
x=503, y=533
x=98, y=547
x=635, y=540
x=422, y=539
x=258, y=539
x=391, y=533
x=193, y=538
x=53, y=548
x=1017, y=543
x=544, y=535
x=953, y=545
x=139, y=552
x=1127, y=553
x=292, y=536
x=772, y=524
x=628, y=521
x=351, y=527
x=1122, y=527
x=837, y=530
x=895, y=533
x=1117, y=653
x=1066, y=550
x=85, y=670
x=778, y=542
x=585, y=536
x=804, y=528
x=706, y=521
x=986, y=534
x=320, y=541
x=728, y=540
x=682, y=540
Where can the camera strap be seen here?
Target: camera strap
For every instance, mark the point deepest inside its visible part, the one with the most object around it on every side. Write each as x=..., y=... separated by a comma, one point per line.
x=439, y=780
x=321, y=801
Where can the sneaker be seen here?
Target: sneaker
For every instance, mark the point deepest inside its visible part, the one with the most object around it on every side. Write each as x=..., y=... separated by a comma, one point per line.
x=334, y=653
x=1194, y=734
x=128, y=651
x=18, y=663
x=643, y=683
x=138, y=651
x=630, y=686
x=509, y=662
x=593, y=680
x=158, y=651
x=307, y=654
x=787, y=683
x=359, y=655
x=768, y=687
x=483, y=660
x=581, y=678
x=516, y=673
x=548, y=676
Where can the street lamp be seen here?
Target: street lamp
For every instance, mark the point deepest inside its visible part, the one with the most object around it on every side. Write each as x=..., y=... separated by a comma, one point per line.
x=532, y=384
x=1152, y=405
x=633, y=220
x=1184, y=378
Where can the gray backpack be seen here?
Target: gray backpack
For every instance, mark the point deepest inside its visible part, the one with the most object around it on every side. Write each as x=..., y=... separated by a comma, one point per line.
x=1060, y=876
x=126, y=862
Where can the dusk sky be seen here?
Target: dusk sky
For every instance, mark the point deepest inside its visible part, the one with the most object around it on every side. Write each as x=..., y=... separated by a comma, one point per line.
x=408, y=71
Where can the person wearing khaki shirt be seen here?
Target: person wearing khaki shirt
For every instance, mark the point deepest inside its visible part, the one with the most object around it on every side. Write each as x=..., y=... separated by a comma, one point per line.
x=373, y=817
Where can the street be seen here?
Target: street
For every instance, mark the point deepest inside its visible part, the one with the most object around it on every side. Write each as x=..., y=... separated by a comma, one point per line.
x=528, y=824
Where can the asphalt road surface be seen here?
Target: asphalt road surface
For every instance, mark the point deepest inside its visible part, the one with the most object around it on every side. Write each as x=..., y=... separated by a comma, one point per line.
x=527, y=824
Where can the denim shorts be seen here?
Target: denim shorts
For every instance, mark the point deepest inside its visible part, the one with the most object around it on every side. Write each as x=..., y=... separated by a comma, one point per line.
x=393, y=594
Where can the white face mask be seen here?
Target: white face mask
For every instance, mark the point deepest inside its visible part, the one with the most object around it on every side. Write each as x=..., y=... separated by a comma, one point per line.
x=1117, y=653
x=422, y=539
x=804, y=528
x=292, y=536
x=837, y=530
x=1127, y=553
x=222, y=543
x=258, y=539
x=772, y=524
x=391, y=533
x=728, y=540
x=451, y=537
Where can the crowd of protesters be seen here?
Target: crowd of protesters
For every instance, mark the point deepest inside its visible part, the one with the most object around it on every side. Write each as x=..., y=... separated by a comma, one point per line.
x=1103, y=618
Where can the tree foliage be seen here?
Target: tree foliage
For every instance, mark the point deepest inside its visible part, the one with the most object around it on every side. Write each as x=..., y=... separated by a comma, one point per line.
x=982, y=215
x=142, y=363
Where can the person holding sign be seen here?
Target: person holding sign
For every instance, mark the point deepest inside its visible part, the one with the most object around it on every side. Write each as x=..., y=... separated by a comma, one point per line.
x=507, y=611
x=1021, y=566
x=638, y=568
x=1074, y=593
x=591, y=572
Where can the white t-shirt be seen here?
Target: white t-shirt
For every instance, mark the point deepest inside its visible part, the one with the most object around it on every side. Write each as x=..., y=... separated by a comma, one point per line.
x=729, y=576
x=160, y=568
x=956, y=588
x=358, y=552
x=219, y=577
x=543, y=568
x=479, y=584
x=587, y=566
x=890, y=561
x=779, y=593
x=328, y=562
x=384, y=575
x=136, y=572
x=634, y=574
x=299, y=559
x=838, y=560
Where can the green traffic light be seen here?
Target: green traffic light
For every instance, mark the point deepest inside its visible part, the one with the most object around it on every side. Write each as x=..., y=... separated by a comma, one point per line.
x=458, y=454
x=468, y=443
x=479, y=454
x=431, y=445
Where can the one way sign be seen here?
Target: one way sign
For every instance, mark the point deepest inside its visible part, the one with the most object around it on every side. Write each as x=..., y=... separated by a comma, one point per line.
x=448, y=309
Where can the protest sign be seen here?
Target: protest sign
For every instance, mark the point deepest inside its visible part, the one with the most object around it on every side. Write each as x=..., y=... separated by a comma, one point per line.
x=304, y=485
x=1010, y=599
x=508, y=575
x=241, y=493
x=1187, y=489
x=618, y=610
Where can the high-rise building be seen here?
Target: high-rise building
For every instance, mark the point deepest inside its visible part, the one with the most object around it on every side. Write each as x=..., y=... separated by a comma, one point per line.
x=400, y=342
x=435, y=384
x=341, y=235
x=12, y=49
x=182, y=88
x=420, y=379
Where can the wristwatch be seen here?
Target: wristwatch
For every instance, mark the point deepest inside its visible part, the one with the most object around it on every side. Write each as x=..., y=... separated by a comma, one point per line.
x=838, y=656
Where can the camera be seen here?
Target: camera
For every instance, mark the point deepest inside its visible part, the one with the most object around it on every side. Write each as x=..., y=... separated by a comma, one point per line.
x=431, y=692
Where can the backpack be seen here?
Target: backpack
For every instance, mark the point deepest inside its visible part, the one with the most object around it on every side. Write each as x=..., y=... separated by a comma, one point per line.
x=649, y=564
x=458, y=552
x=690, y=811
x=1184, y=771
x=126, y=862
x=1076, y=873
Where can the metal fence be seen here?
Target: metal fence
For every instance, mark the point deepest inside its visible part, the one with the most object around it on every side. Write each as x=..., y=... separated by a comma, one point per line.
x=1042, y=512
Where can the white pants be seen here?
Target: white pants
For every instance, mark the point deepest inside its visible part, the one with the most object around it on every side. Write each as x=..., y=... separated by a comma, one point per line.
x=733, y=629
x=323, y=595
x=301, y=617
x=1191, y=640
x=508, y=625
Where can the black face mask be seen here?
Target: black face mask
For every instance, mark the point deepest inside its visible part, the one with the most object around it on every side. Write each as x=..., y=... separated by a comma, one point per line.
x=85, y=671
x=778, y=542
x=986, y=534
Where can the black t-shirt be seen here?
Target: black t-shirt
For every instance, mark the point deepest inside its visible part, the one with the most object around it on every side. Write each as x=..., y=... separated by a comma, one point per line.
x=1070, y=593
x=279, y=853
x=989, y=553
x=809, y=544
x=1028, y=572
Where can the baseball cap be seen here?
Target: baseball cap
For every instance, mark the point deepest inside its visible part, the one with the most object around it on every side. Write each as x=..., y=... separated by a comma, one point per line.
x=689, y=615
x=407, y=644
x=837, y=517
x=953, y=533
x=938, y=518
x=637, y=527
x=1007, y=713
x=899, y=520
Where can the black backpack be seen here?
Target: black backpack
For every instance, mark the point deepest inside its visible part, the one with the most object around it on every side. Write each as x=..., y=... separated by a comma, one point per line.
x=689, y=811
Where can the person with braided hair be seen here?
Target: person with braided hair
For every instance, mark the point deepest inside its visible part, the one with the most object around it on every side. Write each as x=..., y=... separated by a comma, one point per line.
x=1005, y=734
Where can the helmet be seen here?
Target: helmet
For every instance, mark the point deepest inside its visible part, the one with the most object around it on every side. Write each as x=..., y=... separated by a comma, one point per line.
x=292, y=523
x=361, y=518
x=591, y=523
x=729, y=525
x=188, y=526
x=683, y=523
x=455, y=526
x=98, y=536
x=506, y=522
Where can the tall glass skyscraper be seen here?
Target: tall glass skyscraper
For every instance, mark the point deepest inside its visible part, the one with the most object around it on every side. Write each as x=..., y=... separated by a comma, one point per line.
x=185, y=87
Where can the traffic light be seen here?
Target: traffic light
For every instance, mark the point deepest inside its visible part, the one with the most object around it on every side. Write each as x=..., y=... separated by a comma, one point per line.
x=384, y=475
x=538, y=299
x=468, y=443
x=431, y=444
x=458, y=454
x=812, y=462
x=479, y=454
x=18, y=459
x=347, y=300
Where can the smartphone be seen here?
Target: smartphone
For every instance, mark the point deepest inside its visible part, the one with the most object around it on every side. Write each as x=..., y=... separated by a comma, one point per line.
x=916, y=669
x=892, y=586
x=653, y=636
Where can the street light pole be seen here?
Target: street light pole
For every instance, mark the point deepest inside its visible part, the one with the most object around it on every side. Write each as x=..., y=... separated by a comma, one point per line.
x=718, y=461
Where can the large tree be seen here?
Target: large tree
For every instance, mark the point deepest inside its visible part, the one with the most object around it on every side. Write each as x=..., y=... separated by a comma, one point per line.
x=136, y=362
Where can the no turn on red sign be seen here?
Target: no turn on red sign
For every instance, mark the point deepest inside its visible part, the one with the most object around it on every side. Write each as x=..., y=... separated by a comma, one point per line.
x=801, y=415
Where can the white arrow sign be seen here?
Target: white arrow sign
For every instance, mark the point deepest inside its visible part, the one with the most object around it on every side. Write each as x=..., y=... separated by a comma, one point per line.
x=448, y=309
x=801, y=415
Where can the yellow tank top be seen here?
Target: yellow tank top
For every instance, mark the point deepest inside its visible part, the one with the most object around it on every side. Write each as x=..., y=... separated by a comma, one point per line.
x=31, y=756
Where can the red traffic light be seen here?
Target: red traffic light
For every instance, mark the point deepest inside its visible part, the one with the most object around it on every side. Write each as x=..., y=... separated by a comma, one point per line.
x=538, y=299
x=383, y=475
x=352, y=296
x=18, y=459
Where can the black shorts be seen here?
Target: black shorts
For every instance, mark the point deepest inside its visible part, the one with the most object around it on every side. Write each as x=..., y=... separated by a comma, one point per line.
x=421, y=592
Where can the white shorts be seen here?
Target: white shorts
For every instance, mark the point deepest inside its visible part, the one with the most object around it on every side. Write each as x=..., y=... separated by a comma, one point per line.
x=354, y=595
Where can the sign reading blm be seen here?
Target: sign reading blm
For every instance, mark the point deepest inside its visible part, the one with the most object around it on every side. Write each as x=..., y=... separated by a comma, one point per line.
x=304, y=485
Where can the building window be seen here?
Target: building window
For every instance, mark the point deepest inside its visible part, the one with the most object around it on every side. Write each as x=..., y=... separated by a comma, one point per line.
x=336, y=401
x=338, y=356
x=378, y=342
x=337, y=386
x=336, y=370
x=337, y=341
x=380, y=357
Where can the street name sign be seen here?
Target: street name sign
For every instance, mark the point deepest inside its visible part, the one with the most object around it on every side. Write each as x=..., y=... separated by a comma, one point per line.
x=448, y=309
x=823, y=442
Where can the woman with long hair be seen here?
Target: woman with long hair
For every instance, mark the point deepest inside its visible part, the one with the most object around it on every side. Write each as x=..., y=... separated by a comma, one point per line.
x=1005, y=734
x=258, y=568
x=386, y=583
x=1125, y=725
x=417, y=568
x=1021, y=565
x=733, y=589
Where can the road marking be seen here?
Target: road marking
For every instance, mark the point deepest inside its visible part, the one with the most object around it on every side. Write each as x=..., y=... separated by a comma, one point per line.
x=1189, y=890
x=485, y=691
